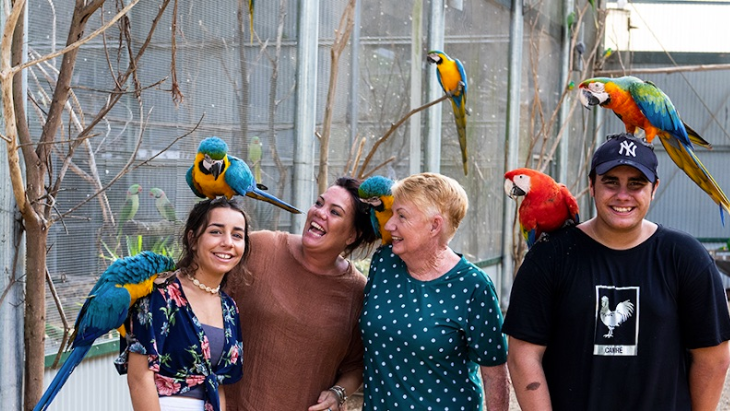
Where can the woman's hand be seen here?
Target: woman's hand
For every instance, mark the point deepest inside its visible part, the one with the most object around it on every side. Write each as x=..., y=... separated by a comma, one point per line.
x=327, y=401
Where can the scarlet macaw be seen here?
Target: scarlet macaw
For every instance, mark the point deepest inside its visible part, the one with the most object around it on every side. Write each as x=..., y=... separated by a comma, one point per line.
x=641, y=104
x=375, y=191
x=215, y=173
x=163, y=204
x=452, y=79
x=106, y=307
x=547, y=205
x=130, y=206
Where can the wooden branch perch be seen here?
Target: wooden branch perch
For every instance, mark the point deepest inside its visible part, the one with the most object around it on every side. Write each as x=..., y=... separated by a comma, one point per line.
x=392, y=129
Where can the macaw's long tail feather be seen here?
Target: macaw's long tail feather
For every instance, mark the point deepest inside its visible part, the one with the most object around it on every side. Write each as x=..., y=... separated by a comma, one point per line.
x=59, y=380
x=695, y=138
x=263, y=196
x=686, y=159
x=250, y=18
x=460, y=119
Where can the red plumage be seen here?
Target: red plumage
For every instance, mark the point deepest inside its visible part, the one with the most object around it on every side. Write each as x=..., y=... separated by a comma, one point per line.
x=547, y=205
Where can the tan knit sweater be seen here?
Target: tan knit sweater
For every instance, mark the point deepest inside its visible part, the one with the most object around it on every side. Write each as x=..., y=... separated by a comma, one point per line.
x=300, y=329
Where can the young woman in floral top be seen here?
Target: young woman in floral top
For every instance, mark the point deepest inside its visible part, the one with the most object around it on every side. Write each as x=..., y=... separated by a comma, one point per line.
x=185, y=337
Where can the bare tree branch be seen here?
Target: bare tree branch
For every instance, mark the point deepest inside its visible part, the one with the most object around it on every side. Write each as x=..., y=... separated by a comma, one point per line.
x=392, y=129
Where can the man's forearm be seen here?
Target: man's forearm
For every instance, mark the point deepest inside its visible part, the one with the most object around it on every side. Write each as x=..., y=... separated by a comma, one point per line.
x=707, y=374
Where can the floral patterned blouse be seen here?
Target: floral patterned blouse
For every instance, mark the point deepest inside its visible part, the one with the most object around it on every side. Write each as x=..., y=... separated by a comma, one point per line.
x=163, y=327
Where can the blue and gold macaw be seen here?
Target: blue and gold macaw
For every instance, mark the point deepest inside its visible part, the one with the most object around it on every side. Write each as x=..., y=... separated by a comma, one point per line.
x=452, y=78
x=375, y=191
x=214, y=173
x=641, y=104
x=106, y=308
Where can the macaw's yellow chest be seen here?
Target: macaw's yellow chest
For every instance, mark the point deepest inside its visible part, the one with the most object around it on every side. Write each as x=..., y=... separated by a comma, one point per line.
x=212, y=187
x=139, y=290
x=450, y=76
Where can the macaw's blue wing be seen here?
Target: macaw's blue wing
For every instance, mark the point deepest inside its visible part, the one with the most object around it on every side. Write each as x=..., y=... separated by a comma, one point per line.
x=191, y=183
x=658, y=109
x=374, y=222
x=239, y=177
x=530, y=236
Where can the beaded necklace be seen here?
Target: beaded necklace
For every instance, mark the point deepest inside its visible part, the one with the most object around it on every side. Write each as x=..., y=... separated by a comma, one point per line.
x=202, y=286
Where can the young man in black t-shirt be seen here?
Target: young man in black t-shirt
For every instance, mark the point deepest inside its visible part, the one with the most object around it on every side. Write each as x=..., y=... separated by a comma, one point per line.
x=619, y=313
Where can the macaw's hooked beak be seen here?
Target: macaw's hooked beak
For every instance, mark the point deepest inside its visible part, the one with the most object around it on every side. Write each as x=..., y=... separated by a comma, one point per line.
x=216, y=169
x=373, y=201
x=588, y=99
x=433, y=58
x=511, y=189
x=516, y=192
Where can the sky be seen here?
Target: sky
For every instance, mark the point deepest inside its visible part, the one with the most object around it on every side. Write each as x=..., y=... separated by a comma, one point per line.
x=675, y=27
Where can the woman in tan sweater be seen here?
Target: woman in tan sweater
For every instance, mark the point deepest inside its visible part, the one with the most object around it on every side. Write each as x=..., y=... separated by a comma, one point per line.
x=299, y=314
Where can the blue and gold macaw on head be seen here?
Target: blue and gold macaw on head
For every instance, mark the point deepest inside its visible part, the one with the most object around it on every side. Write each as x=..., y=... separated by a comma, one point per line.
x=452, y=78
x=215, y=173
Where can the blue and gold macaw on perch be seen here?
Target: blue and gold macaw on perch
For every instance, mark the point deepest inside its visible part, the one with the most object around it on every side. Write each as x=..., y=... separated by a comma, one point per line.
x=214, y=173
x=106, y=308
x=452, y=79
x=375, y=191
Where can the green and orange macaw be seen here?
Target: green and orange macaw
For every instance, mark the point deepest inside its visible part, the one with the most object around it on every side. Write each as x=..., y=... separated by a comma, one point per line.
x=452, y=79
x=106, y=308
x=546, y=207
x=641, y=104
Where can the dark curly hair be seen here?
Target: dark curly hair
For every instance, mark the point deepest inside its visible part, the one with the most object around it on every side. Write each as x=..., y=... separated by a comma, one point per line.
x=364, y=228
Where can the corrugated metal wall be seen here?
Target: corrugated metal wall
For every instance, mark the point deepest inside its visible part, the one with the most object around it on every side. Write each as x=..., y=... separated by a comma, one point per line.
x=95, y=385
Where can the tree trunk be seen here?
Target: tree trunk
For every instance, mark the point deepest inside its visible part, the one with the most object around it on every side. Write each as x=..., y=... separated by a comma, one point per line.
x=35, y=312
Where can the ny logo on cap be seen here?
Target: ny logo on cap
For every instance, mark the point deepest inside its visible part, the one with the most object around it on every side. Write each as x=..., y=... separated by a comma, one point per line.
x=630, y=148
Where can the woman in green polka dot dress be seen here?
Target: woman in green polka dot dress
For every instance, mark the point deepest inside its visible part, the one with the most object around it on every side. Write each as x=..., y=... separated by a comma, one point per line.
x=431, y=323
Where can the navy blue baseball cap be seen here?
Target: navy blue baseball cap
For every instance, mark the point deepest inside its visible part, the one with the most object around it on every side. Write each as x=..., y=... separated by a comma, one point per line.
x=625, y=150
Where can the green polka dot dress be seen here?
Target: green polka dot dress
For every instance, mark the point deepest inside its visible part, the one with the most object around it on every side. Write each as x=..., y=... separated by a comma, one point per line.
x=424, y=340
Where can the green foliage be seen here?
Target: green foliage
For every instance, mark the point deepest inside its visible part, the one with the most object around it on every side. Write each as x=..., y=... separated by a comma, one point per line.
x=166, y=246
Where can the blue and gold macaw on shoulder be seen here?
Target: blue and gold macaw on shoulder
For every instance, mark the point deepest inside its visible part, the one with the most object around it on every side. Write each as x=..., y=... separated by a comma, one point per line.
x=452, y=78
x=214, y=173
x=375, y=191
x=106, y=308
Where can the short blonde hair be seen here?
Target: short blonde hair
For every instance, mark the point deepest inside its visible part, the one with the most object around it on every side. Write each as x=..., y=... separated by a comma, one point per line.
x=435, y=194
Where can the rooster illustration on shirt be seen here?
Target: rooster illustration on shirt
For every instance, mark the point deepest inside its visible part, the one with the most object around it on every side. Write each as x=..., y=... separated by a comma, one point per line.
x=613, y=319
